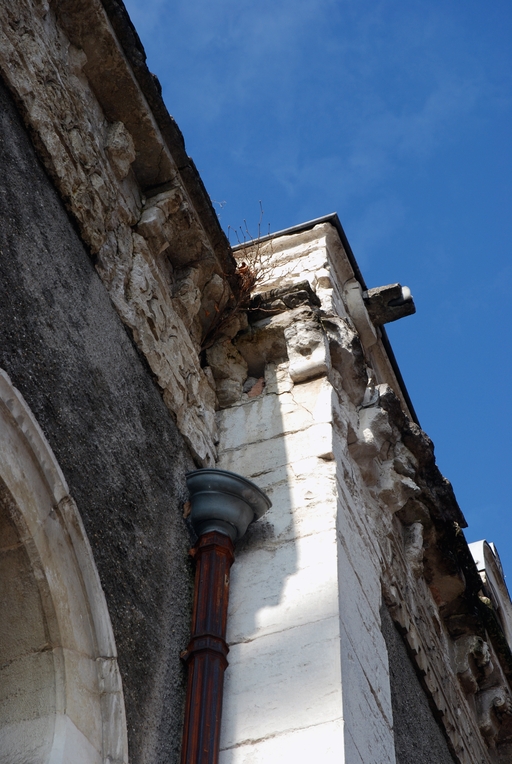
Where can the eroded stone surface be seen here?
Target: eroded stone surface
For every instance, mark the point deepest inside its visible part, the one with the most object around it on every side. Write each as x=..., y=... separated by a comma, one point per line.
x=229, y=370
x=122, y=454
x=66, y=70
x=330, y=441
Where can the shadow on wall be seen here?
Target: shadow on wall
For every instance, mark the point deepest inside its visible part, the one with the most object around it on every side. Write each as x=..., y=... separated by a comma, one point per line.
x=283, y=600
x=253, y=444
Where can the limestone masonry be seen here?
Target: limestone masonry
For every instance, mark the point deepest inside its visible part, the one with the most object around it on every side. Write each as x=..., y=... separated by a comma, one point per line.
x=136, y=346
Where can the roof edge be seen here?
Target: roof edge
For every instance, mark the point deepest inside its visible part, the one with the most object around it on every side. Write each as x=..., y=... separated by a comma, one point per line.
x=334, y=220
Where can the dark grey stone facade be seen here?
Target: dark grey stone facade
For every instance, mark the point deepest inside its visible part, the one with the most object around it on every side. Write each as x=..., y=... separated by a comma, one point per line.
x=418, y=737
x=68, y=353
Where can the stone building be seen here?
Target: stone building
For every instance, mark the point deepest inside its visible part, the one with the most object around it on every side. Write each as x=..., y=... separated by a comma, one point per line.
x=136, y=346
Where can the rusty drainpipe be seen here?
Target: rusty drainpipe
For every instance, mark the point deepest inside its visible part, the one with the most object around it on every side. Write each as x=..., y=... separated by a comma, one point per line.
x=223, y=505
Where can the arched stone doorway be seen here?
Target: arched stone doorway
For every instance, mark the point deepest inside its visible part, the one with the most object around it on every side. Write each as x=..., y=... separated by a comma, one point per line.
x=61, y=697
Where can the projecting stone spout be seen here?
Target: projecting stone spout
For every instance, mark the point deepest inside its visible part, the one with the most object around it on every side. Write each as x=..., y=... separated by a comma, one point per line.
x=224, y=502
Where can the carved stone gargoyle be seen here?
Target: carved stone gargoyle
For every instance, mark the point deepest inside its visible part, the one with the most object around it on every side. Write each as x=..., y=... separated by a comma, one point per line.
x=492, y=705
x=473, y=662
x=388, y=303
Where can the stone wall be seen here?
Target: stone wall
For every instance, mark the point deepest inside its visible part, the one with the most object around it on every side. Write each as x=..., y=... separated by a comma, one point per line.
x=138, y=235
x=417, y=735
x=61, y=695
x=65, y=348
x=123, y=328
x=281, y=700
x=360, y=512
x=121, y=169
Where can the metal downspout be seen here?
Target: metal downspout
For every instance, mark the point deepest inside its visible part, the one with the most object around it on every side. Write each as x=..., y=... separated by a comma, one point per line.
x=223, y=505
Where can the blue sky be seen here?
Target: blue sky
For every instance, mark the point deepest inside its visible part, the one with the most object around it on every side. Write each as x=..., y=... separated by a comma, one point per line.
x=396, y=115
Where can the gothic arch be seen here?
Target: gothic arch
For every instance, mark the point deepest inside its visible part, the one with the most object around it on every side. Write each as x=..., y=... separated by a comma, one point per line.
x=61, y=697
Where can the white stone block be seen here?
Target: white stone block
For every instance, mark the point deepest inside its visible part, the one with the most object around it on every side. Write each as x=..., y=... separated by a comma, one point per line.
x=278, y=588
x=258, y=458
x=364, y=656
x=323, y=743
x=270, y=415
x=370, y=728
x=305, y=505
x=308, y=350
x=35, y=735
x=361, y=580
x=293, y=259
x=82, y=694
x=261, y=419
x=290, y=473
x=27, y=687
x=282, y=682
x=352, y=755
x=357, y=523
x=70, y=745
x=360, y=599
x=277, y=379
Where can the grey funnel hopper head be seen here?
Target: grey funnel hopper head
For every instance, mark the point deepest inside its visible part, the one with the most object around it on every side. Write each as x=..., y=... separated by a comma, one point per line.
x=225, y=502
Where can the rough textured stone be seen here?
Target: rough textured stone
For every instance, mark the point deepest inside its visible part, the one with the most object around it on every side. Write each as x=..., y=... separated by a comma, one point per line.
x=229, y=370
x=66, y=350
x=120, y=149
x=340, y=453
x=102, y=146
x=152, y=91
x=314, y=409
x=308, y=351
x=418, y=738
x=347, y=356
x=388, y=303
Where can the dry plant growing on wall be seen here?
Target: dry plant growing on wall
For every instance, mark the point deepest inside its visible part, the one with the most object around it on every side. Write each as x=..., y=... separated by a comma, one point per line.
x=253, y=268
x=254, y=261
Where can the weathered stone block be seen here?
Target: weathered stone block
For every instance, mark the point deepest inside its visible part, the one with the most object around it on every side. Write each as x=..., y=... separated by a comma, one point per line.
x=320, y=742
x=304, y=506
x=282, y=682
x=120, y=149
x=308, y=350
x=270, y=415
x=283, y=586
x=229, y=370
x=258, y=458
